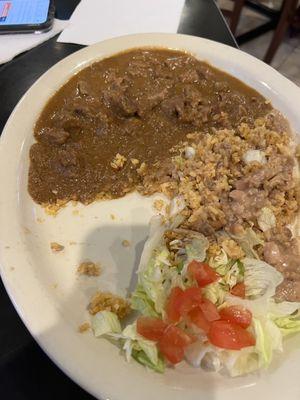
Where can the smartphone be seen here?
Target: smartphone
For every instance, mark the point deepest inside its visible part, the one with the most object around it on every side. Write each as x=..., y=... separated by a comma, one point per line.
x=26, y=16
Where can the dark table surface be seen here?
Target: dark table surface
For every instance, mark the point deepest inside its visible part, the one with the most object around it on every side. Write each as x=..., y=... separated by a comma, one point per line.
x=25, y=370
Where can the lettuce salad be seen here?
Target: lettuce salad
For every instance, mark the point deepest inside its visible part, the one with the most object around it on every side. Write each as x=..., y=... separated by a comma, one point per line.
x=164, y=266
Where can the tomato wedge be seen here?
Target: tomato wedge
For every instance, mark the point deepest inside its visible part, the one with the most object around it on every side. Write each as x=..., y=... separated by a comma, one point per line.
x=173, y=305
x=191, y=298
x=151, y=328
x=173, y=342
x=202, y=273
x=239, y=290
x=197, y=317
x=177, y=336
x=229, y=335
x=181, y=302
x=237, y=314
x=172, y=353
x=209, y=310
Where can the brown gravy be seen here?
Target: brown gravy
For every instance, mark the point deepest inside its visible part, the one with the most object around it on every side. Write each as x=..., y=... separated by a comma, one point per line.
x=137, y=104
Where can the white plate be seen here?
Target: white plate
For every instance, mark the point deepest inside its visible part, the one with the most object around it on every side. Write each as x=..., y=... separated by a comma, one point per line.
x=43, y=286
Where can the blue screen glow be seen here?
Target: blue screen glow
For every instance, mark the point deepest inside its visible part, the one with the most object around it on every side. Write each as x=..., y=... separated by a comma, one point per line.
x=23, y=12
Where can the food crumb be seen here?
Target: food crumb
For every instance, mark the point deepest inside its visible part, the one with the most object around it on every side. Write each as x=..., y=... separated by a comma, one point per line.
x=7, y=247
x=12, y=268
x=75, y=212
x=118, y=162
x=112, y=216
x=158, y=204
x=27, y=231
x=107, y=301
x=89, y=268
x=135, y=161
x=142, y=169
x=84, y=327
x=55, y=285
x=72, y=243
x=56, y=247
x=53, y=209
x=192, y=135
x=40, y=220
x=125, y=243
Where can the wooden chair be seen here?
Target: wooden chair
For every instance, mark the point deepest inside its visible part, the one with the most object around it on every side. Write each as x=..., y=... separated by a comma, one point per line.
x=279, y=20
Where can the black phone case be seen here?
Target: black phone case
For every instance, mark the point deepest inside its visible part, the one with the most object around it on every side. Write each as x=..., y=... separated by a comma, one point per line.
x=32, y=28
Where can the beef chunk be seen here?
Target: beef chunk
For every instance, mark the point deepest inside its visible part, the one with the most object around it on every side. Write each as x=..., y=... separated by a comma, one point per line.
x=150, y=100
x=189, y=76
x=68, y=158
x=173, y=106
x=83, y=88
x=118, y=100
x=189, y=107
x=57, y=136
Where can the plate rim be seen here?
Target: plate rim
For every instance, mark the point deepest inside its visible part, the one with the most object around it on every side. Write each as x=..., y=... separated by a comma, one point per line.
x=6, y=141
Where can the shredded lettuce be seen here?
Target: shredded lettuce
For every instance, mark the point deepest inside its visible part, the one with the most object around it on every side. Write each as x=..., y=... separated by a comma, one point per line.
x=142, y=303
x=141, y=357
x=156, y=231
x=231, y=272
x=152, y=276
x=248, y=240
x=289, y=324
x=234, y=275
x=260, y=278
x=155, y=283
x=105, y=322
x=240, y=362
x=283, y=308
x=268, y=340
x=196, y=250
x=143, y=350
x=220, y=262
x=215, y=293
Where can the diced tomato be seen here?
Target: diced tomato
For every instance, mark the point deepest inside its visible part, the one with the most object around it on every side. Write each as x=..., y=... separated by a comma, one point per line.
x=181, y=302
x=177, y=336
x=173, y=304
x=237, y=314
x=202, y=273
x=229, y=335
x=173, y=342
x=209, y=310
x=172, y=353
x=197, y=317
x=239, y=290
x=151, y=328
x=191, y=298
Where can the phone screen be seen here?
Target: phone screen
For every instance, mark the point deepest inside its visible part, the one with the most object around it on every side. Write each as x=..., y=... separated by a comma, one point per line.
x=23, y=12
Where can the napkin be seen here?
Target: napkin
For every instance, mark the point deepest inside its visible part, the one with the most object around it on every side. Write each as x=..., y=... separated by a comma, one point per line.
x=96, y=20
x=14, y=44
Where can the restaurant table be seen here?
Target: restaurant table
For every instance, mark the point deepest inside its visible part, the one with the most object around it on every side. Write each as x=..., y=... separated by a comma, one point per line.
x=26, y=372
